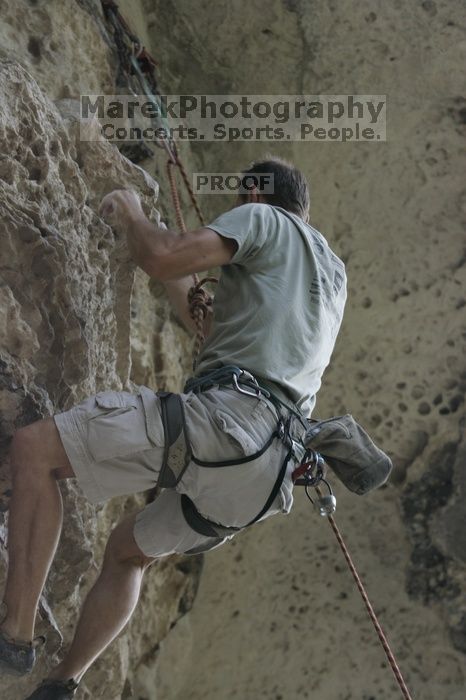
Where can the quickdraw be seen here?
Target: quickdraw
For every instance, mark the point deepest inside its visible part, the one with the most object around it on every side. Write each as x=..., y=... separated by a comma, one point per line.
x=137, y=63
x=310, y=473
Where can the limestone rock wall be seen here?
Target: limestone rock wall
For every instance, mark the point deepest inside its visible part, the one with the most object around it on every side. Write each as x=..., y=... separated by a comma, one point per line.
x=75, y=315
x=277, y=614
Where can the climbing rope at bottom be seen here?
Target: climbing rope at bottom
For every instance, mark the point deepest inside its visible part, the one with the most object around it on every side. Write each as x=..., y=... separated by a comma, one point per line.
x=383, y=639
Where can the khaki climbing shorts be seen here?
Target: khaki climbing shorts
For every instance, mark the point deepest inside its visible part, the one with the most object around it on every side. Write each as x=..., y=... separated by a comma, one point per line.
x=115, y=442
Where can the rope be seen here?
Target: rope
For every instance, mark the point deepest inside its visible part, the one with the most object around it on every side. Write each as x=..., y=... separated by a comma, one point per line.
x=176, y=201
x=139, y=62
x=383, y=639
x=199, y=299
x=192, y=196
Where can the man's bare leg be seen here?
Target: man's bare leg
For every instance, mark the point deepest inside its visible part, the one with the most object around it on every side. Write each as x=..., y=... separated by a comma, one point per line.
x=109, y=604
x=38, y=459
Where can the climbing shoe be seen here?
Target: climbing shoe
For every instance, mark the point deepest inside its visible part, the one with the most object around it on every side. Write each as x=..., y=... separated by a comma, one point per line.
x=50, y=689
x=17, y=657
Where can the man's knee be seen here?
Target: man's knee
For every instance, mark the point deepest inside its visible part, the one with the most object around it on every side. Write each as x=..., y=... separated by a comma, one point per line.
x=122, y=547
x=23, y=446
x=37, y=449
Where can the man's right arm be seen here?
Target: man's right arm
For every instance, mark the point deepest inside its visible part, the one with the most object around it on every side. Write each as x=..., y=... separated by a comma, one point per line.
x=167, y=255
x=160, y=253
x=177, y=293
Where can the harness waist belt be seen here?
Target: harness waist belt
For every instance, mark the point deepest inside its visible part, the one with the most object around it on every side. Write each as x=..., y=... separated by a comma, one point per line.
x=237, y=377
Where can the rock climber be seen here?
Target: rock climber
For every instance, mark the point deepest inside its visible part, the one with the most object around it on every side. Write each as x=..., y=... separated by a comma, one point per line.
x=226, y=445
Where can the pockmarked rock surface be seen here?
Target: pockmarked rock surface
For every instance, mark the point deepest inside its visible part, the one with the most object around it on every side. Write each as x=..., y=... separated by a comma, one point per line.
x=65, y=315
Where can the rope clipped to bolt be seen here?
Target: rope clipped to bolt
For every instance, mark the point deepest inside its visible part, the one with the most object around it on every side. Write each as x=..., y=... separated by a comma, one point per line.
x=199, y=299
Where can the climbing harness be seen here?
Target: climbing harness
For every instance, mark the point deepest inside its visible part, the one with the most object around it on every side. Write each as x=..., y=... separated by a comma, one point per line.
x=177, y=448
x=341, y=441
x=249, y=385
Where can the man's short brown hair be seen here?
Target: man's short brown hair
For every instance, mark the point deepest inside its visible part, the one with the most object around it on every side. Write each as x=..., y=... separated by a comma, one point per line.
x=291, y=191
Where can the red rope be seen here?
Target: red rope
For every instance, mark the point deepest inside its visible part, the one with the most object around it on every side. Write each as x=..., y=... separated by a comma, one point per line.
x=192, y=196
x=199, y=303
x=176, y=201
x=198, y=298
x=383, y=639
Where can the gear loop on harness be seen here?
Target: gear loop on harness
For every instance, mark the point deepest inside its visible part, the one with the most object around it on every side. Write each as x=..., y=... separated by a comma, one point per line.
x=255, y=392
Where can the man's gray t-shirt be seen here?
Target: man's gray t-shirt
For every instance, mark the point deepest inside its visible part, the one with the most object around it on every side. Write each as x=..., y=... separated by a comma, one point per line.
x=279, y=302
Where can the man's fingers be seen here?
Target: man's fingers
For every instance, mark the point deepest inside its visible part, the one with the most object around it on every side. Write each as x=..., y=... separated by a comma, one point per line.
x=108, y=206
x=106, y=209
x=119, y=202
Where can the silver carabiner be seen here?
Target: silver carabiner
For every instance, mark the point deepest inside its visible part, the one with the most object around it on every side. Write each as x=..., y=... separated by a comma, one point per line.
x=325, y=505
x=255, y=393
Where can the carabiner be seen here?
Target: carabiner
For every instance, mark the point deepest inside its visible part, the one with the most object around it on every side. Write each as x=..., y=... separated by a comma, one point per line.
x=255, y=393
x=326, y=505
